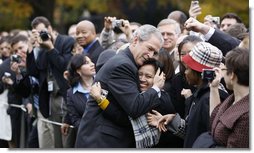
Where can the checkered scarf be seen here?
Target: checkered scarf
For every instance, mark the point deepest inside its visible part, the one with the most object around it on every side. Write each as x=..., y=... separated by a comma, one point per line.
x=145, y=136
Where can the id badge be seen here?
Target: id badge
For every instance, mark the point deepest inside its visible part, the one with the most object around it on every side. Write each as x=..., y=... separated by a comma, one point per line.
x=50, y=86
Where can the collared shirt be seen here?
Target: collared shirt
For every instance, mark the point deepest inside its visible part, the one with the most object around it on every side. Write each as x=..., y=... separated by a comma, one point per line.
x=209, y=34
x=86, y=49
x=34, y=81
x=157, y=89
x=79, y=88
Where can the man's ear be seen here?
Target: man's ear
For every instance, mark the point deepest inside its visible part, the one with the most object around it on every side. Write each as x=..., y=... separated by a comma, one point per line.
x=135, y=39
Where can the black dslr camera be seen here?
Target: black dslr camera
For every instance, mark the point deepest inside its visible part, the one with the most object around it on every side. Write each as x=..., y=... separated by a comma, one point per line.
x=44, y=35
x=15, y=58
x=208, y=74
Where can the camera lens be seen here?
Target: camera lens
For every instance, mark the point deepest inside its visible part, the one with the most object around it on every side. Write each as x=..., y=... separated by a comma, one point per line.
x=44, y=35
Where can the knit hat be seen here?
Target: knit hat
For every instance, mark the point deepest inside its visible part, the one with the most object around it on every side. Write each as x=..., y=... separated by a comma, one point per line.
x=203, y=56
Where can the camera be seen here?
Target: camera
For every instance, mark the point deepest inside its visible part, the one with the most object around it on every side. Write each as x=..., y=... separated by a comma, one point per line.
x=16, y=58
x=208, y=74
x=216, y=20
x=44, y=35
x=7, y=74
x=104, y=92
x=117, y=23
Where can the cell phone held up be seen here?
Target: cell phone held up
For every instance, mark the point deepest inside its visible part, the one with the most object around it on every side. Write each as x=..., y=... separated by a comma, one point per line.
x=194, y=3
x=208, y=74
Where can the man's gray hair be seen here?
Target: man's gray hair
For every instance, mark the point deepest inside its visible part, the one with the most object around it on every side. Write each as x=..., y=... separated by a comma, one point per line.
x=144, y=33
x=170, y=22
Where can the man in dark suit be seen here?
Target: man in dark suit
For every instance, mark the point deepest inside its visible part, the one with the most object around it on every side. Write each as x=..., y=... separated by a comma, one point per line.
x=119, y=76
x=86, y=37
x=48, y=65
x=218, y=38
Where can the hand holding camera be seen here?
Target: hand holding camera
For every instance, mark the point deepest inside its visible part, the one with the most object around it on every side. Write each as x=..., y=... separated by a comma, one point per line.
x=195, y=9
x=217, y=78
x=117, y=23
x=108, y=23
x=45, y=40
x=34, y=38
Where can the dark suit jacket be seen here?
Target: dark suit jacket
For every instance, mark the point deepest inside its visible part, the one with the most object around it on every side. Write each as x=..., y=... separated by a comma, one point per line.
x=76, y=104
x=95, y=51
x=57, y=59
x=223, y=41
x=119, y=76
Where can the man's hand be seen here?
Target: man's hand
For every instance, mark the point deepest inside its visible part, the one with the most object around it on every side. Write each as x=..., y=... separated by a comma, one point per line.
x=126, y=29
x=153, y=118
x=196, y=26
x=48, y=44
x=7, y=80
x=65, y=129
x=29, y=108
x=163, y=122
x=186, y=93
x=95, y=91
x=159, y=79
x=15, y=67
x=194, y=10
x=108, y=23
x=218, y=75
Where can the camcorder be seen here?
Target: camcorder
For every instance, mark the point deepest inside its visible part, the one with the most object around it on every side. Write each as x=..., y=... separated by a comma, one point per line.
x=208, y=74
x=44, y=35
x=15, y=58
x=117, y=23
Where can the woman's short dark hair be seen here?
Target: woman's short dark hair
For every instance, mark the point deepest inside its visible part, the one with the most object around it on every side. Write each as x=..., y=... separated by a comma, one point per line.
x=156, y=64
x=237, y=61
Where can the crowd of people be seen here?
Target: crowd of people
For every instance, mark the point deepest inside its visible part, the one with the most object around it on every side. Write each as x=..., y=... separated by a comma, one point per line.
x=181, y=84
